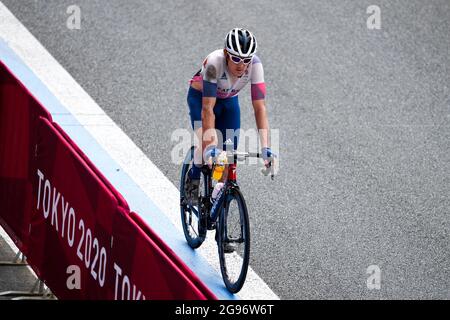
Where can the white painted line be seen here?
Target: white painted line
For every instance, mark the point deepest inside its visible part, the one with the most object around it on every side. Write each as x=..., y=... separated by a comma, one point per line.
x=114, y=141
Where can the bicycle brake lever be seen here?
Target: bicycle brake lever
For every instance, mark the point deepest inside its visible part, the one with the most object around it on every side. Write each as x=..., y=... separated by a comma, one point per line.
x=269, y=169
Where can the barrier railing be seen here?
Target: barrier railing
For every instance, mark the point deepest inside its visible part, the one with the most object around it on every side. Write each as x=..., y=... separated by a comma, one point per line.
x=76, y=230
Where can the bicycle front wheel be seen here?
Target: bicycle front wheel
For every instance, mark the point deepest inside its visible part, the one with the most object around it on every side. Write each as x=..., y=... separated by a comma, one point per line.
x=234, y=241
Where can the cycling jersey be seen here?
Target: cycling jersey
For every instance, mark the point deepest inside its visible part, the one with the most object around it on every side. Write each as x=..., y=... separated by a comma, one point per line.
x=218, y=82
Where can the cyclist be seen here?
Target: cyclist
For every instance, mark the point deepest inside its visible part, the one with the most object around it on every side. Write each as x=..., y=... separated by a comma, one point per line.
x=213, y=101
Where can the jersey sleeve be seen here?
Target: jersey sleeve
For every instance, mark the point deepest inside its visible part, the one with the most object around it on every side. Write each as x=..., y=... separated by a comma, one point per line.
x=210, y=70
x=258, y=86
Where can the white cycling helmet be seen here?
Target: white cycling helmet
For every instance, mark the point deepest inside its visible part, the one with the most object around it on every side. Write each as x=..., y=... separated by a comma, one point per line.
x=240, y=42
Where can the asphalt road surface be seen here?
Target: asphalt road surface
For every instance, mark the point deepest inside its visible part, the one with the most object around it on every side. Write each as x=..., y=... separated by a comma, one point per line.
x=13, y=279
x=363, y=118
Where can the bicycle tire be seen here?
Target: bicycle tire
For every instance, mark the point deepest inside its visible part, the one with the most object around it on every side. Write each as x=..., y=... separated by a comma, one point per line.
x=243, y=258
x=195, y=234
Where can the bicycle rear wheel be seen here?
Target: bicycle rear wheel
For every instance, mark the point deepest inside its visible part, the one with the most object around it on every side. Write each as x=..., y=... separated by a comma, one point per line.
x=234, y=241
x=192, y=218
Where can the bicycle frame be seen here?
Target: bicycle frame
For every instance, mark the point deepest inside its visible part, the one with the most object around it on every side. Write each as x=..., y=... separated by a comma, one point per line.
x=213, y=216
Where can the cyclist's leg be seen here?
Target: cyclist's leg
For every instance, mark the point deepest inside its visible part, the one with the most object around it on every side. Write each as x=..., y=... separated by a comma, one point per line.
x=229, y=122
x=194, y=100
x=228, y=125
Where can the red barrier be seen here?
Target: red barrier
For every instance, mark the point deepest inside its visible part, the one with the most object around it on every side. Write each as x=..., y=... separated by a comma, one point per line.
x=157, y=274
x=75, y=228
x=137, y=267
x=18, y=114
x=72, y=219
x=159, y=243
x=120, y=199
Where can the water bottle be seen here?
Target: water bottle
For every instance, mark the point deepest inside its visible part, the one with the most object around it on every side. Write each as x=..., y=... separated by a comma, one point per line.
x=219, y=166
x=217, y=187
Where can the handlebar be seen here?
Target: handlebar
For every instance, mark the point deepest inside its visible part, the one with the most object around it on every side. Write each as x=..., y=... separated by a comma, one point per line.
x=235, y=156
x=241, y=156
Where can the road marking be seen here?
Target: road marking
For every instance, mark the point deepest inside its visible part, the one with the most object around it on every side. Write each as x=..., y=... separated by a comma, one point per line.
x=112, y=139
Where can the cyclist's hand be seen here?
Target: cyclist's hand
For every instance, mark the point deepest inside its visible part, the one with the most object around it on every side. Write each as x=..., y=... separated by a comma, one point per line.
x=211, y=154
x=268, y=156
x=270, y=162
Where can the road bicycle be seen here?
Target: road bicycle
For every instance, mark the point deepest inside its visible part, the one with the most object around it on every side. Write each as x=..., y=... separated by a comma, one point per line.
x=227, y=214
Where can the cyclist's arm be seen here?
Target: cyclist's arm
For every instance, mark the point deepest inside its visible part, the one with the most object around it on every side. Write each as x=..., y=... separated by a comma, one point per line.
x=262, y=122
x=258, y=92
x=208, y=122
x=208, y=103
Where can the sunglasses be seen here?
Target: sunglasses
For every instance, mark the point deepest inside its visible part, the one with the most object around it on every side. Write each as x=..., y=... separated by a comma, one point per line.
x=238, y=60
